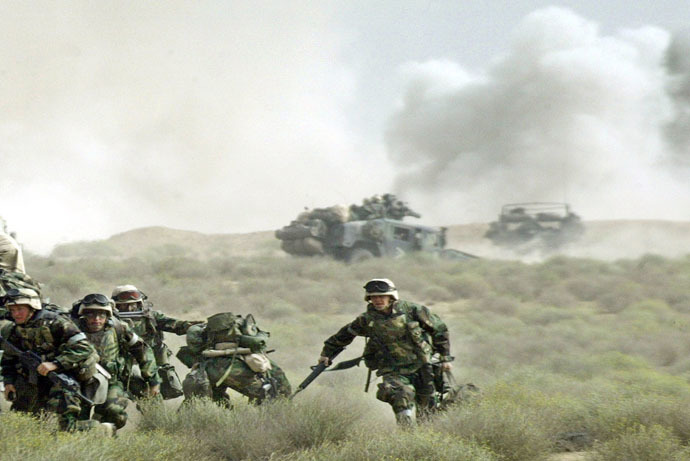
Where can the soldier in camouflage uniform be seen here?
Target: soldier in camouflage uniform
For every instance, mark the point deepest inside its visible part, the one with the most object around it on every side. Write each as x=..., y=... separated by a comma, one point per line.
x=115, y=342
x=11, y=258
x=229, y=351
x=63, y=348
x=12, y=274
x=401, y=338
x=149, y=324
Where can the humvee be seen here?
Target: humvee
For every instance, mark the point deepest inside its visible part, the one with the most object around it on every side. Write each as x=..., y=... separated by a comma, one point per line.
x=536, y=224
x=355, y=241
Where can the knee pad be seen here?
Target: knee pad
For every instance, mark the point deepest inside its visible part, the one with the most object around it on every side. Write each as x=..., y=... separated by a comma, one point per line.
x=385, y=392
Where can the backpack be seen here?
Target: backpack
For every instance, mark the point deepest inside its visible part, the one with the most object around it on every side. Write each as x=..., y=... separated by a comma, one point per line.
x=11, y=279
x=228, y=327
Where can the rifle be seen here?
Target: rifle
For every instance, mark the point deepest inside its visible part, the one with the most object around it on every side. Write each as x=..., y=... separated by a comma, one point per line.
x=32, y=360
x=316, y=370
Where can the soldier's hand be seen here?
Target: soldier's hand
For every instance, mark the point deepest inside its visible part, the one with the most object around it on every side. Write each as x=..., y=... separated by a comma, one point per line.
x=10, y=392
x=446, y=366
x=325, y=360
x=154, y=390
x=46, y=367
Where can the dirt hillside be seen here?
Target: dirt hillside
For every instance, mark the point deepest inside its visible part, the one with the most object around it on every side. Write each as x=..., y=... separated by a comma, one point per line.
x=602, y=240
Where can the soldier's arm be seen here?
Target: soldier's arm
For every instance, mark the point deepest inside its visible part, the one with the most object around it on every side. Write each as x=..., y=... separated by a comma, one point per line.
x=143, y=354
x=9, y=368
x=437, y=329
x=73, y=347
x=172, y=325
x=336, y=343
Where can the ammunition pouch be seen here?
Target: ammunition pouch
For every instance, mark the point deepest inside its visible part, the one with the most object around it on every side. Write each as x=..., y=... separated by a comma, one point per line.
x=171, y=387
x=422, y=346
x=197, y=384
x=96, y=388
x=258, y=363
x=187, y=356
x=87, y=369
x=255, y=343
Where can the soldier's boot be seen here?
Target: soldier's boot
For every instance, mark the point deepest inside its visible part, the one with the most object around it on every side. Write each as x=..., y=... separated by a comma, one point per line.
x=107, y=429
x=425, y=406
x=405, y=418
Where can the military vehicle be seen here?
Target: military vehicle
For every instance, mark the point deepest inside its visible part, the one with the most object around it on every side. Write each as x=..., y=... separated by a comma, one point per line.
x=341, y=233
x=535, y=225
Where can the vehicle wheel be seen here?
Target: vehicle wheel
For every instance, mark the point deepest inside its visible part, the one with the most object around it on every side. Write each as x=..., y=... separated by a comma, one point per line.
x=359, y=254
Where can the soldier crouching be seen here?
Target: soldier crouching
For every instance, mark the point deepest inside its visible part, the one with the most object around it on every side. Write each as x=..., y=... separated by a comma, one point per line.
x=229, y=351
x=64, y=349
x=116, y=343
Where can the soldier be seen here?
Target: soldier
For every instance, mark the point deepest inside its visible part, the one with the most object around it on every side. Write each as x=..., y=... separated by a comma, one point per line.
x=115, y=342
x=11, y=257
x=149, y=324
x=401, y=338
x=229, y=351
x=62, y=347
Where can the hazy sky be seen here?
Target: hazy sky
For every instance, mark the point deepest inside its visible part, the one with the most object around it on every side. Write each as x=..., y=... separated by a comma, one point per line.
x=231, y=116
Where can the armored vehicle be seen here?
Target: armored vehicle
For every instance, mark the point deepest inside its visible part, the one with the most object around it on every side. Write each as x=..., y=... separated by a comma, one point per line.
x=535, y=225
x=359, y=240
x=356, y=233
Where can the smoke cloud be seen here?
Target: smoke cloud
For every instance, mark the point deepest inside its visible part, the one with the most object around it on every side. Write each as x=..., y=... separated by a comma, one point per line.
x=567, y=114
x=118, y=115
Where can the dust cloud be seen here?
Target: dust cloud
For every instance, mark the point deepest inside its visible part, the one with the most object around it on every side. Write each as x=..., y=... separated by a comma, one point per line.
x=566, y=114
x=225, y=119
x=213, y=117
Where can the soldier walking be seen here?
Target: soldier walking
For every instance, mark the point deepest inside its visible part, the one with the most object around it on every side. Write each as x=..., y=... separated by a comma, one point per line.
x=401, y=337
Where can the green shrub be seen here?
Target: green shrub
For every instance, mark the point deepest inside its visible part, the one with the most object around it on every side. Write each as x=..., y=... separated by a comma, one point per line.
x=396, y=445
x=642, y=443
x=241, y=433
x=23, y=437
x=514, y=432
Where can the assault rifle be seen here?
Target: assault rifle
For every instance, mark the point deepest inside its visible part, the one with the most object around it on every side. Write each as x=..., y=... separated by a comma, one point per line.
x=316, y=370
x=31, y=360
x=130, y=314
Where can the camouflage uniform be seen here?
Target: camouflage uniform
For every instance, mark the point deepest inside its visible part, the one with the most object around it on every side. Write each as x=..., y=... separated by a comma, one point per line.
x=150, y=324
x=234, y=370
x=399, y=347
x=116, y=344
x=150, y=327
x=56, y=339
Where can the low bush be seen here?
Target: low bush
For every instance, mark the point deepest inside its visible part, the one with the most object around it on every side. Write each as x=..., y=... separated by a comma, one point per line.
x=642, y=443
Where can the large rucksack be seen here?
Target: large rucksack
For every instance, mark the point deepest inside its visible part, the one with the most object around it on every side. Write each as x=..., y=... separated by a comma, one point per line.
x=11, y=280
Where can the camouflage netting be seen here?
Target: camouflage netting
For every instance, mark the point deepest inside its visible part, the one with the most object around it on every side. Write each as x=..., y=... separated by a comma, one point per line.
x=306, y=234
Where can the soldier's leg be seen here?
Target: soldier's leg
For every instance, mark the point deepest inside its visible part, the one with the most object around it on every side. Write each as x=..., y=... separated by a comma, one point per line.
x=134, y=384
x=66, y=405
x=398, y=391
x=114, y=408
x=278, y=378
x=423, y=381
x=236, y=375
x=27, y=396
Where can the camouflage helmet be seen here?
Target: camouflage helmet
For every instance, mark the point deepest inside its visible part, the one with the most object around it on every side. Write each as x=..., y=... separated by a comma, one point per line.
x=126, y=294
x=23, y=296
x=378, y=287
x=96, y=302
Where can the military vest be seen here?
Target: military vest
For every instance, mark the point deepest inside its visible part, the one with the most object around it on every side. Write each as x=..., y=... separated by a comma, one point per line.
x=146, y=328
x=110, y=345
x=395, y=340
x=36, y=334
